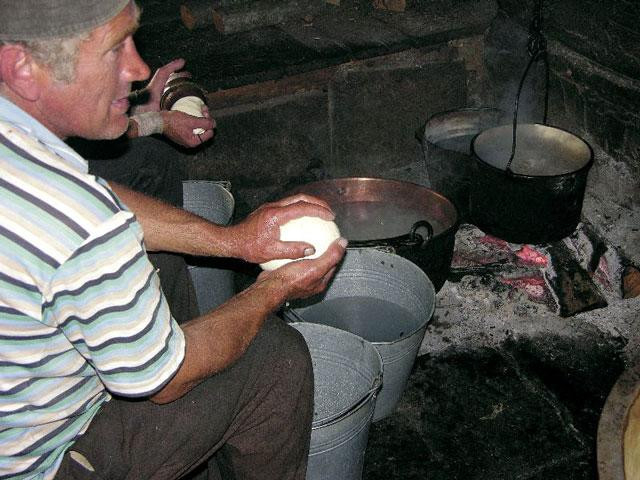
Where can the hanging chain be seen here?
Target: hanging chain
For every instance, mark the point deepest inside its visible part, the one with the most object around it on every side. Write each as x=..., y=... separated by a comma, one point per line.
x=537, y=48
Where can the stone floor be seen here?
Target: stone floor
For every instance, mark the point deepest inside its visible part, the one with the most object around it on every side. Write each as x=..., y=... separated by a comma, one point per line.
x=523, y=407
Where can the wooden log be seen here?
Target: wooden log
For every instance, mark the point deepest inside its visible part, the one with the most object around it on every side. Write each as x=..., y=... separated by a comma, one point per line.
x=391, y=5
x=574, y=288
x=260, y=14
x=631, y=282
x=199, y=13
x=196, y=14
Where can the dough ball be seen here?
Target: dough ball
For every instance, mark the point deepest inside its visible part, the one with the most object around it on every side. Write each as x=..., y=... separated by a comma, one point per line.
x=314, y=230
x=191, y=106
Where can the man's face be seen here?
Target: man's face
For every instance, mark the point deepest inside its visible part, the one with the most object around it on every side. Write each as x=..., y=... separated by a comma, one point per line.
x=94, y=105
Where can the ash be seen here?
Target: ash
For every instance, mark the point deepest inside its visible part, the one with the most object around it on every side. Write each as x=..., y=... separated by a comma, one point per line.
x=499, y=291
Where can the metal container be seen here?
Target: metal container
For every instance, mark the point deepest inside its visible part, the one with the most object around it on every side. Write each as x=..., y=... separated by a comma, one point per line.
x=214, y=284
x=532, y=194
x=180, y=85
x=385, y=299
x=347, y=376
x=446, y=145
x=396, y=216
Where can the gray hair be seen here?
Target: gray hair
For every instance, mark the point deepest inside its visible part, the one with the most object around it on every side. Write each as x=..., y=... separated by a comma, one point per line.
x=58, y=54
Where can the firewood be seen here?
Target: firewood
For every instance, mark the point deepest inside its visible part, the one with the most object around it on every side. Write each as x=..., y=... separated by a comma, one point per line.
x=573, y=287
x=631, y=282
x=260, y=14
x=199, y=13
x=391, y=5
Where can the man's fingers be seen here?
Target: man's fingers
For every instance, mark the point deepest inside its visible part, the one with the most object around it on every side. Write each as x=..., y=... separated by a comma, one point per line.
x=301, y=197
x=171, y=67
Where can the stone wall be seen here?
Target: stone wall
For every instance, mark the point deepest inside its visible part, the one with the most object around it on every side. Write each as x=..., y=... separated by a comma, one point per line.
x=357, y=119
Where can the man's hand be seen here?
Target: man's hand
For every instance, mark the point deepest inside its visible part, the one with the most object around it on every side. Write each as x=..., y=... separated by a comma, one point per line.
x=304, y=278
x=219, y=338
x=156, y=85
x=179, y=127
x=257, y=238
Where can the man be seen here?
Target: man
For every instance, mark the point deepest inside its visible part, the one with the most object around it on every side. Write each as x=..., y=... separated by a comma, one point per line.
x=96, y=378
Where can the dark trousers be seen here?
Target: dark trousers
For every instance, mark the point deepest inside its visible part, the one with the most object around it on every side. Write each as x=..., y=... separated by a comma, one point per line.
x=147, y=164
x=257, y=414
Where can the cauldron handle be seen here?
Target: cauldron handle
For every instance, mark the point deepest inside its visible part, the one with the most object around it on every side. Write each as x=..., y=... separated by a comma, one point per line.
x=411, y=239
x=537, y=47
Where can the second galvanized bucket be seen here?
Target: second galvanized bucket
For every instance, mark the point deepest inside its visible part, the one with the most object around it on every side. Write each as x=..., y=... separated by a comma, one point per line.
x=385, y=299
x=347, y=375
x=212, y=200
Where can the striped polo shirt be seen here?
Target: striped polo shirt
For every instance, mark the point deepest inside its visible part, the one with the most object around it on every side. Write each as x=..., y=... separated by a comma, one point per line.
x=82, y=313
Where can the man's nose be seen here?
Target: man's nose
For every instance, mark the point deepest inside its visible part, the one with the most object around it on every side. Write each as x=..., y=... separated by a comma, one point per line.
x=135, y=68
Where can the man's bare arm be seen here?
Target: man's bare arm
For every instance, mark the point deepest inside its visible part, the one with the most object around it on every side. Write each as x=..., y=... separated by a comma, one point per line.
x=255, y=239
x=216, y=340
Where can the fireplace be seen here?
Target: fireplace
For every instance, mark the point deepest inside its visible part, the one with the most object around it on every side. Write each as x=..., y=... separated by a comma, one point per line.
x=345, y=89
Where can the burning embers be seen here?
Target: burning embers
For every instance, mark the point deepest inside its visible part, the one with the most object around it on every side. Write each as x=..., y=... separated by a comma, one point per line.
x=567, y=277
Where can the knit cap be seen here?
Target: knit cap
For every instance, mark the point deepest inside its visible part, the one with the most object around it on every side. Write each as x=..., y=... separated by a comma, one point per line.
x=42, y=19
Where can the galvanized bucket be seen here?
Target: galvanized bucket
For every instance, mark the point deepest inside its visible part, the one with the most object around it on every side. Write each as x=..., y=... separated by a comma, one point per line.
x=446, y=145
x=347, y=376
x=212, y=200
x=385, y=299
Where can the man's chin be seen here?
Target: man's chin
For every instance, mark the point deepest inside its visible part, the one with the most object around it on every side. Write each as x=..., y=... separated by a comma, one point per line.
x=114, y=129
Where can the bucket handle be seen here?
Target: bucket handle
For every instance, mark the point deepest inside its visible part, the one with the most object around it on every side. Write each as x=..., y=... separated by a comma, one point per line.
x=537, y=47
x=411, y=239
x=373, y=391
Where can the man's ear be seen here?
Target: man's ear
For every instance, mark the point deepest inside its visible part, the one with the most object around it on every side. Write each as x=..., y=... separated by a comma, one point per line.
x=19, y=72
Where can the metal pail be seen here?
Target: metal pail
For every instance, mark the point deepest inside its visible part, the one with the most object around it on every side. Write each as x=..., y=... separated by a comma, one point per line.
x=446, y=145
x=385, y=299
x=212, y=200
x=347, y=376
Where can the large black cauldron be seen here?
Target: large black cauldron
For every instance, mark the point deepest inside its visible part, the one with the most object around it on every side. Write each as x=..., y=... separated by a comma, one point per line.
x=533, y=194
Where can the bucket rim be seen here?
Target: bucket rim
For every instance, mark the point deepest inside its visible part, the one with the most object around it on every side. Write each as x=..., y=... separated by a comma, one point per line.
x=524, y=176
x=431, y=292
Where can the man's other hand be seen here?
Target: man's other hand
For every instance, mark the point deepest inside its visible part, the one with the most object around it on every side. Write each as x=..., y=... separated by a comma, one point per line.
x=179, y=127
x=155, y=87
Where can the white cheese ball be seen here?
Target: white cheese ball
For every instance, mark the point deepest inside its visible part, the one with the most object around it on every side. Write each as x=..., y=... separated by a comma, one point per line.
x=191, y=106
x=314, y=230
